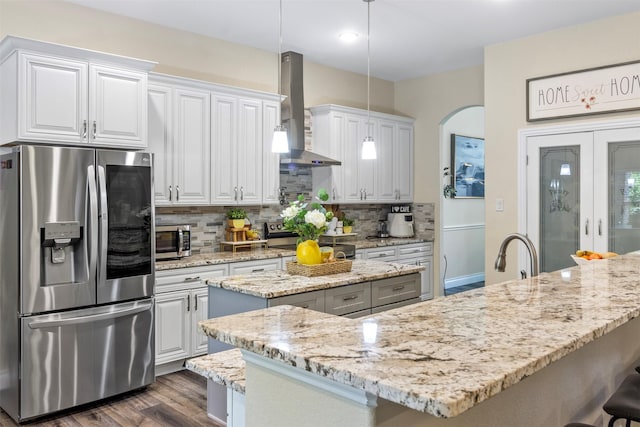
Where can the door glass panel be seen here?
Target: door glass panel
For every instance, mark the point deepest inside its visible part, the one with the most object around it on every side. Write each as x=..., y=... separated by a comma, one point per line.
x=624, y=196
x=129, y=241
x=559, y=206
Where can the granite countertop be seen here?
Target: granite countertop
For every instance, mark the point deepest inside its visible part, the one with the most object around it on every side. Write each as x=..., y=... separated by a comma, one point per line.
x=201, y=260
x=446, y=355
x=225, y=367
x=278, y=283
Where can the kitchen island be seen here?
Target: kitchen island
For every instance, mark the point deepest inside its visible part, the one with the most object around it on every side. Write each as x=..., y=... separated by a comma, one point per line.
x=541, y=352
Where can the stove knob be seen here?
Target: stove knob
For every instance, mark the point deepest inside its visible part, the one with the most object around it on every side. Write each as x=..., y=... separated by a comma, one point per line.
x=279, y=226
x=272, y=227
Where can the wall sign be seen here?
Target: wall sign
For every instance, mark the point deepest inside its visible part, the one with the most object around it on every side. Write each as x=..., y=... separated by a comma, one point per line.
x=600, y=90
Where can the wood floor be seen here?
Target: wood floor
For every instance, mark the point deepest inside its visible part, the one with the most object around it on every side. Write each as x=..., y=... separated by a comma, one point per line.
x=178, y=399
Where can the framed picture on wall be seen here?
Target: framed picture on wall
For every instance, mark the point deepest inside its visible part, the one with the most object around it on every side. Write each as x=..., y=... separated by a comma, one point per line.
x=467, y=165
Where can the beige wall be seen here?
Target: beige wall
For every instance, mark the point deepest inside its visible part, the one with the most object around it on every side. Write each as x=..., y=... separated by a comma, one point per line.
x=431, y=100
x=507, y=66
x=182, y=53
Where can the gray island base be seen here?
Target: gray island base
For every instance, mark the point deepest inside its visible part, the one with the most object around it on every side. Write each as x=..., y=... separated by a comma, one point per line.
x=541, y=352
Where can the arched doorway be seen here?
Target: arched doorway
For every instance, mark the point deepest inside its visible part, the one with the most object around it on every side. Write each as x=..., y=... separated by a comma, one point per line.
x=461, y=218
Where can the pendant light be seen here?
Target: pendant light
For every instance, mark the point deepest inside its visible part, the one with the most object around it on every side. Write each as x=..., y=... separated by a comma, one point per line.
x=368, y=144
x=280, y=143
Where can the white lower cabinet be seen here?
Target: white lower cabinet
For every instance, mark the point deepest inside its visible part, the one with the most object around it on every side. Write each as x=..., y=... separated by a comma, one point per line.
x=181, y=302
x=419, y=254
x=255, y=266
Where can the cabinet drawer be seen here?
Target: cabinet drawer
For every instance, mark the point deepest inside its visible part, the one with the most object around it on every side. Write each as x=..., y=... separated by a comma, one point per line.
x=380, y=309
x=187, y=278
x=381, y=254
x=415, y=250
x=311, y=300
x=347, y=299
x=249, y=267
x=395, y=289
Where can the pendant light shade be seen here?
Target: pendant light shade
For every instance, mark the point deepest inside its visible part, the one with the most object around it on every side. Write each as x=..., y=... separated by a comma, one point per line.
x=280, y=142
x=369, y=148
x=368, y=144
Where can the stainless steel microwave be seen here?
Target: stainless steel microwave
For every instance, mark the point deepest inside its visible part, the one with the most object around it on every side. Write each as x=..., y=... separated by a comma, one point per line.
x=173, y=241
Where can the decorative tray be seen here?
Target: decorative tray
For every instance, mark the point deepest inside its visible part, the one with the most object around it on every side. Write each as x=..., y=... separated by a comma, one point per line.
x=323, y=269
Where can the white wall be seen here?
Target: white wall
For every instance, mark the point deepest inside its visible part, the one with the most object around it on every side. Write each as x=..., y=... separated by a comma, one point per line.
x=462, y=249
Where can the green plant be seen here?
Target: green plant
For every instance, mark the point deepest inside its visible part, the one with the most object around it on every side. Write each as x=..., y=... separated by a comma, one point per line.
x=307, y=220
x=349, y=222
x=236, y=213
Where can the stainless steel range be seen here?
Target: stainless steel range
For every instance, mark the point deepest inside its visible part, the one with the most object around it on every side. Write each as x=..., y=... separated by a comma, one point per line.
x=279, y=238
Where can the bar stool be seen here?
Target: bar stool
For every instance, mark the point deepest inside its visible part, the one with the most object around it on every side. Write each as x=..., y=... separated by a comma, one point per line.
x=624, y=403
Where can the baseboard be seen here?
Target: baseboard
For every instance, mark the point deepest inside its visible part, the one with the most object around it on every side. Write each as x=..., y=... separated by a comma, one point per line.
x=463, y=280
x=170, y=367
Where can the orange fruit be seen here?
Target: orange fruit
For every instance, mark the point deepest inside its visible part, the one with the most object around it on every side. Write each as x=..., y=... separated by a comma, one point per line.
x=595, y=256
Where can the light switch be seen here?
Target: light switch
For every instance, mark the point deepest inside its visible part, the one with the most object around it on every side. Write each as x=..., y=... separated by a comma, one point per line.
x=499, y=205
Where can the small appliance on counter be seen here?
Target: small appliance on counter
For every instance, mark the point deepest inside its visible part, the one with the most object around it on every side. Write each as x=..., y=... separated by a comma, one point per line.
x=400, y=224
x=173, y=241
x=383, y=232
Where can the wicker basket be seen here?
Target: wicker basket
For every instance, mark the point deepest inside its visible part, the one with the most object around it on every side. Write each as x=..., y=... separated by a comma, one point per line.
x=323, y=269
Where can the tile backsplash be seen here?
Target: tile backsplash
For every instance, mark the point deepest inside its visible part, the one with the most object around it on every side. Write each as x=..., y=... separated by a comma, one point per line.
x=208, y=222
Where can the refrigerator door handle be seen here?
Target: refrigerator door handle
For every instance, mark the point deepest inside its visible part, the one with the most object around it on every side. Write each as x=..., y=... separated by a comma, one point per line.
x=104, y=225
x=90, y=318
x=91, y=221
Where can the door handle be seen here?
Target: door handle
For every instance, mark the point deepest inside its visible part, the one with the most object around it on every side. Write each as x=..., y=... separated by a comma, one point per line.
x=241, y=193
x=92, y=220
x=89, y=318
x=586, y=227
x=195, y=303
x=334, y=193
x=600, y=227
x=398, y=288
x=192, y=279
x=352, y=297
x=84, y=129
x=188, y=302
x=170, y=191
x=177, y=193
x=257, y=270
x=94, y=129
x=235, y=191
x=103, y=216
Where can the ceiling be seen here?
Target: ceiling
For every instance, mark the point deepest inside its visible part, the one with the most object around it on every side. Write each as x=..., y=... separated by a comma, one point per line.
x=409, y=38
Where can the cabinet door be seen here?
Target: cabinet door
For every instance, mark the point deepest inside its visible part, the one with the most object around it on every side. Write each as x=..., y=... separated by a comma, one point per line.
x=426, y=278
x=224, y=186
x=403, y=163
x=161, y=142
x=270, y=161
x=117, y=106
x=173, y=325
x=192, y=147
x=385, y=148
x=352, y=185
x=52, y=99
x=249, y=152
x=199, y=308
x=328, y=140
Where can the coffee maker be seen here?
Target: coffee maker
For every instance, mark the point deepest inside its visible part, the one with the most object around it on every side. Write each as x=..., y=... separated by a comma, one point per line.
x=400, y=224
x=382, y=229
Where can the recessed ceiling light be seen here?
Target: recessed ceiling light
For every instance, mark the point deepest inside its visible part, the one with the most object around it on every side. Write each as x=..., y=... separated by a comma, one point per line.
x=348, y=36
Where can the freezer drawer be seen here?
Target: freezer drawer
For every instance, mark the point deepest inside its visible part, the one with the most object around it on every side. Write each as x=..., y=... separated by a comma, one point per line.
x=80, y=356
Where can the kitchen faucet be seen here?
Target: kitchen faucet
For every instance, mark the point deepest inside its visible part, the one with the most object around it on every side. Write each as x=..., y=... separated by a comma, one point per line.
x=501, y=261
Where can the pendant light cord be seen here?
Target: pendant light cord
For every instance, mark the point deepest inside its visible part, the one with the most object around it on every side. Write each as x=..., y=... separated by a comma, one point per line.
x=280, y=56
x=368, y=64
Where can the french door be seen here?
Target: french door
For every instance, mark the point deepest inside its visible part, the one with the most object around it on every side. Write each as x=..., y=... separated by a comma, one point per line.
x=583, y=191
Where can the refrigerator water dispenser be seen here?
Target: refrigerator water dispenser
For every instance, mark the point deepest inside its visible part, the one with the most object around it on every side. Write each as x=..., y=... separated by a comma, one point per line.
x=58, y=241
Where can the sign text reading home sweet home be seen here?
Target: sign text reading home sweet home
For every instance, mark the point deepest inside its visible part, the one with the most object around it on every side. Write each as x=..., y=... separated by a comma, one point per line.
x=593, y=91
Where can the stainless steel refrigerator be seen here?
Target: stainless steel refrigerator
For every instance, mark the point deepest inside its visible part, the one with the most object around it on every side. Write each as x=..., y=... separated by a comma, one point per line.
x=76, y=277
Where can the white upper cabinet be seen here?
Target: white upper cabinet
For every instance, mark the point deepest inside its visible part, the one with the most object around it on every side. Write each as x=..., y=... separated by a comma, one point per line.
x=244, y=171
x=270, y=161
x=179, y=136
x=338, y=132
x=64, y=95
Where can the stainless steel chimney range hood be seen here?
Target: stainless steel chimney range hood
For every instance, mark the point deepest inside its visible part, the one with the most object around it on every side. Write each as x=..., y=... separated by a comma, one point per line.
x=292, y=112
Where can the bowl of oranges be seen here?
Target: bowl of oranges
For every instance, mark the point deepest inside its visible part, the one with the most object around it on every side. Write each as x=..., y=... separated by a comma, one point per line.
x=584, y=257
